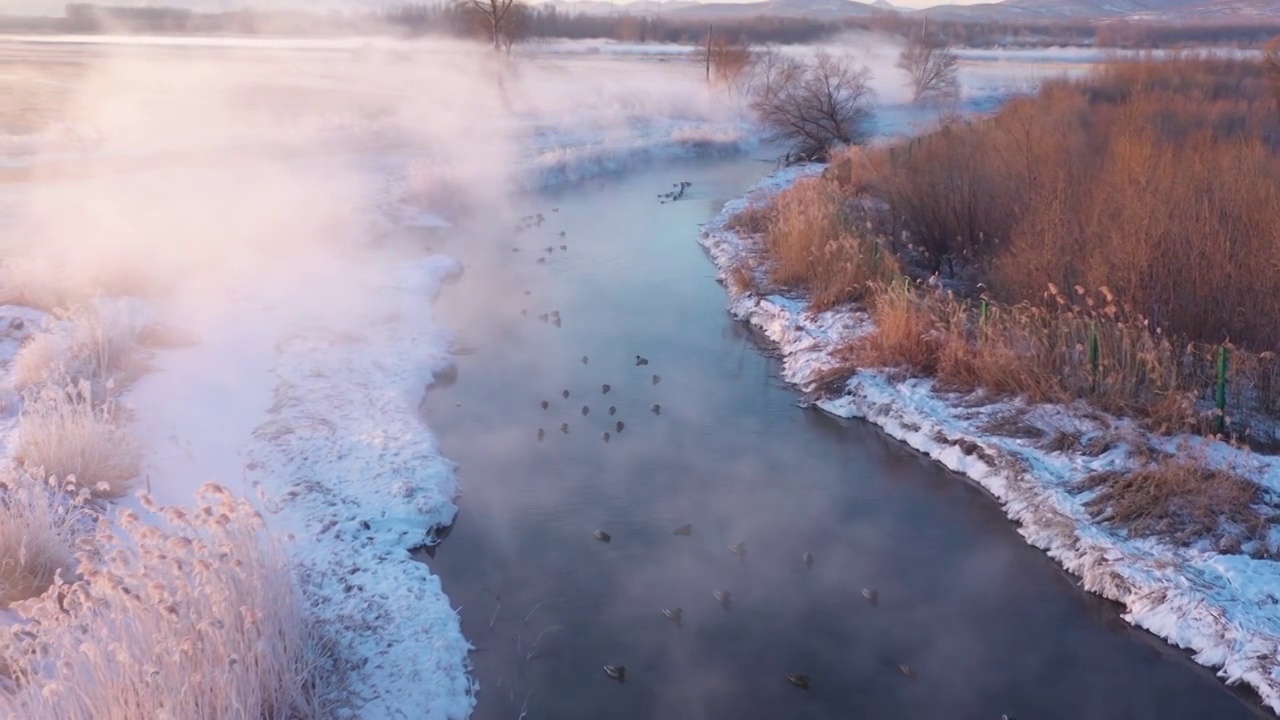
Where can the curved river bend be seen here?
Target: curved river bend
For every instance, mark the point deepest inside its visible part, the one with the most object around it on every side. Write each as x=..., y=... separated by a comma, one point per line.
x=985, y=624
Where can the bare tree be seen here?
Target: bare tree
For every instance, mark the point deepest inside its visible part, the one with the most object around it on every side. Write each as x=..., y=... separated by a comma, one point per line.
x=729, y=61
x=814, y=104
x=494, y=14
x=931, y=63
x=515, y=27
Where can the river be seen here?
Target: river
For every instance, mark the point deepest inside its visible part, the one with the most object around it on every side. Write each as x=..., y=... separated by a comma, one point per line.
x=969, y=621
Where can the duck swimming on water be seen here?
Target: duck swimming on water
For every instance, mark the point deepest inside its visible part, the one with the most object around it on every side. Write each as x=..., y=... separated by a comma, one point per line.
x=674, y=616
x=617, y=672
x=800, y=681
x=602, y=536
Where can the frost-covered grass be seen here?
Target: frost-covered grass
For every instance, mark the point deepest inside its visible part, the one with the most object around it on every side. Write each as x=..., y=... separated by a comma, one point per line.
x=65, y=432
x=1180, y=530
x=39, y=522
x=195, y=616
x=94, y=344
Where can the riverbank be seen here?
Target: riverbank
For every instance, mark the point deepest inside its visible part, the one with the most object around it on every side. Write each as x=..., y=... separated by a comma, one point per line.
x=1222, y=607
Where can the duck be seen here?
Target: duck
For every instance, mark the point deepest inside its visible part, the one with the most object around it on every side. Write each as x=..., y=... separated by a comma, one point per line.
x=657, y=379
x=564, y=428
x=641, y=361
x=563, y=247
x=675, y=616
x=584, y=359
x=613, y=411
x=619, y=426
x=872, y=596
x=565, y=394
x=800, y=681
x=556, y=321
x=541, y=433
x=683, y=530
x=656, y=409
x=542, y=260
x=617, y=672
x=605, y=388
x=808, y=559
x=602, y=536
x=545, y=404
x=905, y=669
x=585, y=410
x=739, y=549
x=723, y=597
x=607, y=436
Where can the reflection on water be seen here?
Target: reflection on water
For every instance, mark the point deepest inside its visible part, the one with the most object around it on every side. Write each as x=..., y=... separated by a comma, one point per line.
x=983, y=624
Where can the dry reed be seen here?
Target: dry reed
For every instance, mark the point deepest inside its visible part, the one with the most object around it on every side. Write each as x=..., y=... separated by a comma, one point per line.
x=64, y=432
x=194, y=617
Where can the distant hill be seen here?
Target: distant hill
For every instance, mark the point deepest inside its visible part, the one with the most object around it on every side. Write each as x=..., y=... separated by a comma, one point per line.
x=812, y=9
x=1172, y=11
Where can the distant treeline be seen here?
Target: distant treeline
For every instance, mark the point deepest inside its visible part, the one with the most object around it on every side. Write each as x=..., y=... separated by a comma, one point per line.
x=545, y=21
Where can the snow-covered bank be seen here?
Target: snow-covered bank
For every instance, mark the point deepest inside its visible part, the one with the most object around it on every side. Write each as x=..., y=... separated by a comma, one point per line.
x=1225, y=608
x=316, y=412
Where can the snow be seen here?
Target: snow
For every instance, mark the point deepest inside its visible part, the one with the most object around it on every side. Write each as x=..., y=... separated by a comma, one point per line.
x=316, y=411
x=1225, y=609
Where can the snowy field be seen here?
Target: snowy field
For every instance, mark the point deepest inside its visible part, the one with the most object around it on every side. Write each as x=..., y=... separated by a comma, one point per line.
x=1222, y=607
x=263, y=206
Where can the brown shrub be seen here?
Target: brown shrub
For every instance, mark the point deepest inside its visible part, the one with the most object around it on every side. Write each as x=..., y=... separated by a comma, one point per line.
x=1182, y=500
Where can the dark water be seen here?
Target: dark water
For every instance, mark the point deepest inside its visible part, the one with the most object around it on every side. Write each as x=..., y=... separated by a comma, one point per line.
x=986, y=624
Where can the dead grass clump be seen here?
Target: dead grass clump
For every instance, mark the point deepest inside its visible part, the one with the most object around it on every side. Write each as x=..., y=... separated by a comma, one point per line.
x=1182, y=500
x=752, y=220
x=38, y=527
x=85, y=345
x=1013, y=424
x=1063, y=441
x=812, y=248
x=904, y=332
x=741, y=279
x=63, y=432
x=196, y=617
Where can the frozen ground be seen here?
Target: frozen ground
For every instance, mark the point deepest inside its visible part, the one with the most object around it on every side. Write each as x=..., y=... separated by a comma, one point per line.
x=1223, y=608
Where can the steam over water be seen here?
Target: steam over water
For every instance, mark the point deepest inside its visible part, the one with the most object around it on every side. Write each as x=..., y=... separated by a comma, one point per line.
x=985, y=624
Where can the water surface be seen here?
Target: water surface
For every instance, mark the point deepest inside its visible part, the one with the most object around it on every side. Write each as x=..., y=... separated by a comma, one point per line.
x=986, y=624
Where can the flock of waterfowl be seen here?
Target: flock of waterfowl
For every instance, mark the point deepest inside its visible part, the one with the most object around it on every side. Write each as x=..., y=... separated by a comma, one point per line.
x=722, y=596
x=725, y=598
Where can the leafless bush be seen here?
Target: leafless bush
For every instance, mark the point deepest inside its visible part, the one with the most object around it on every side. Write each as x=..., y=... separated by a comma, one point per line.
x=815, y=105
x=931, y=65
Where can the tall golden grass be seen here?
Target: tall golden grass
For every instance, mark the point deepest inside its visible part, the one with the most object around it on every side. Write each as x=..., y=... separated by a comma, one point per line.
x=1136, y=211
